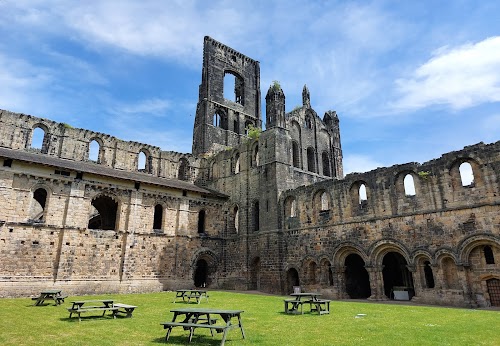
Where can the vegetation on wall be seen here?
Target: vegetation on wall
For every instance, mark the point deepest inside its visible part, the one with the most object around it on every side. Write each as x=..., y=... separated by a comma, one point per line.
x=253, y=132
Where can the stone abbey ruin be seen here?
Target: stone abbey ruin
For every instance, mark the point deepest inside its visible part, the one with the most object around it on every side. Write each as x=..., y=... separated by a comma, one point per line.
x=247, y=210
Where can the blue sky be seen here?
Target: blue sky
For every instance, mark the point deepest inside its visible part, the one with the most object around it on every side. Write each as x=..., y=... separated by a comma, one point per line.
x=410, y=80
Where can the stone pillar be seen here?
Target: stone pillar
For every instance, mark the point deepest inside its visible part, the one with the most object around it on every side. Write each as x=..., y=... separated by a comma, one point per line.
x=339, y=281
x=376, y=282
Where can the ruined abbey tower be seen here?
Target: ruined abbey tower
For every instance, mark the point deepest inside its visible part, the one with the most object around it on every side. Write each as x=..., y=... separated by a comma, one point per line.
x=249, y=209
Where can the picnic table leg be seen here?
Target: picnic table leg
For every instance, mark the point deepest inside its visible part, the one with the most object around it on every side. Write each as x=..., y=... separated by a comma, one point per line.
x=168, y=333
x=241, y=326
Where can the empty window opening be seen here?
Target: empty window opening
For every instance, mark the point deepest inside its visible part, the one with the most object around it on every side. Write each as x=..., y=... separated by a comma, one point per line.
x=38, y=139
x=94, y=150
x=429, y=276
x=326, y=164
x=237, y=164
x=79, y=175
x=466, y=174
x=236, y=214
x=201, y=221
x=158, y=217
x=141, y=162
x=295, y=154
x=488, y=255
x=311, y=160
x=40, y=200
x=233, y=87
x=7, y=162
x=308, y=123
x=216, y=120
x=362, y=195
x=248, y=125
x=103, y=214
x=183, y=173
x=293, y=208
x=324, y=201
x=256, y=212
x=256, y=156
x=357, y=281
x=409, y=185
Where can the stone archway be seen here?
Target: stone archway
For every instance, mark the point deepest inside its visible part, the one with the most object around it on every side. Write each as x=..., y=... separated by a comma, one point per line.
x=396, y=274
x=204, y=268
x=357, y=280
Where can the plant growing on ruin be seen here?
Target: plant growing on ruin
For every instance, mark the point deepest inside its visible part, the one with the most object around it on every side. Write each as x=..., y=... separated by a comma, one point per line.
x=424, y=174
x=276, y=85
x=253, y=132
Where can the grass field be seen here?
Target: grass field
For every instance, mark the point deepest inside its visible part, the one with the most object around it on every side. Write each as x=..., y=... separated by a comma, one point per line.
x=21, y=323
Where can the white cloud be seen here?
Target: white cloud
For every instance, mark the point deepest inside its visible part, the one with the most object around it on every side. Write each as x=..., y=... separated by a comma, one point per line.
x=459, y=78
x=359, y=163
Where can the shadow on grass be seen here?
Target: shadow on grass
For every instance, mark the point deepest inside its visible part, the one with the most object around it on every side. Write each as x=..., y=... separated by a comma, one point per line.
x=197, y=339
x=88, y=318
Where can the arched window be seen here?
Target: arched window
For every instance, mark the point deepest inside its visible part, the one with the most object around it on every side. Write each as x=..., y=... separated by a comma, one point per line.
x=466, y=174
x=201, y=221
x=326, y=164
x=295, y=154
x=293, y=208
x=94, y=151
x=409, y=185
x=183, y=173
x=324, y=201
x=233, y=87
x=158, y=217
x=255, y=160
x=236, y=214
x=308, y=123
x=363, y=198
x=429, y=276
x=311, y=160
x=39, y=202
x=141, y=161
x=256, y=219
x=216, y=120
x=39, y=140
x=236, y=166
x=103, y=214
x=488, y=255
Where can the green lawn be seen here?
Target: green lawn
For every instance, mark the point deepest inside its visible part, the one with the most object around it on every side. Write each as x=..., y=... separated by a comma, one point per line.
x=21, y=323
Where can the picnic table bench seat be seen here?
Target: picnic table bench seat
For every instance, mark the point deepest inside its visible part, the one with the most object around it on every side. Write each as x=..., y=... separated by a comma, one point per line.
x=191, y=326
x=292, y=306
x=321, y=306
x=125, y=309
x=82, y=309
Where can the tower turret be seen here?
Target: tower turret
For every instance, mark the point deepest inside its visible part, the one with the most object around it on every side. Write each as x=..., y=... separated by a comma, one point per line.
x=306, y=97
x=275, y=106
x=332, y=122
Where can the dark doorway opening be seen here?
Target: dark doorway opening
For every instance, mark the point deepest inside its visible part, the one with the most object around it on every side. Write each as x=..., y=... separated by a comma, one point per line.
x=201, y=273
x=429, y=276
x=396, y=274
x=357, y=280
x=292, y=279
x=104, y=214
x=255, y=274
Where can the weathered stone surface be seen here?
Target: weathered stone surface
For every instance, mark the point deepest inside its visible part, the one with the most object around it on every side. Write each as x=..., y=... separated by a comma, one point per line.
x=265, y=211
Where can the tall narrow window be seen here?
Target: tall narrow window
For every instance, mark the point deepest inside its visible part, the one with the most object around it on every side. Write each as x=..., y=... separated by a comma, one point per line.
x=236, y=213
x=429, y=276
x=141, y=162
x=183, y=173
x=216, y=120
x=295, y=154
x=256, y=212
x=409, y=185
x=40, y=200
x=94, y=150
x=311, y=160
x=488, y=255
x=237, y=164
x=201, y=221
x=293, y=208
x=37, y=139
x=326, y=164
x=324, y=201
x=256, y=156
x=158, y=217
x=363, y=199
x=466, y=174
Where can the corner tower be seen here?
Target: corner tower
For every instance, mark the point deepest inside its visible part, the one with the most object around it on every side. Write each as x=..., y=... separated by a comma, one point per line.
x=221, y=120
x=275, y=106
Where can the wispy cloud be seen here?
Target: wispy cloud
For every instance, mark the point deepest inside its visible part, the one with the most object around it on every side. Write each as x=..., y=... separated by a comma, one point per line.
x=359, y=163
x=456, y=77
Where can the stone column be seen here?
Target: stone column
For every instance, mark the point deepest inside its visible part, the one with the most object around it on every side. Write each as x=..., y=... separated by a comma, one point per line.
x=339, y=281
x=376, y=282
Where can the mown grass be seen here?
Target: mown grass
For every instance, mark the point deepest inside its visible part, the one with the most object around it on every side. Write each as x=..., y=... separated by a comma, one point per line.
x=21, y=323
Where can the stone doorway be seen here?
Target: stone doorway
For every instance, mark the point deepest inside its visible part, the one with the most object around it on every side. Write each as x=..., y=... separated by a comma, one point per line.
x=493, y=286
x=357, y=280
x=201, y=273
x=255, y=274
x=292, y=279
x=396, y=274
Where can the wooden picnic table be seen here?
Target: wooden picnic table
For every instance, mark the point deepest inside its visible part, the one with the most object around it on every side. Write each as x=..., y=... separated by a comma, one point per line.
x=321, y=306
x=54, y=295
x=82, y=306
x=204, y=318
x=188, y=294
